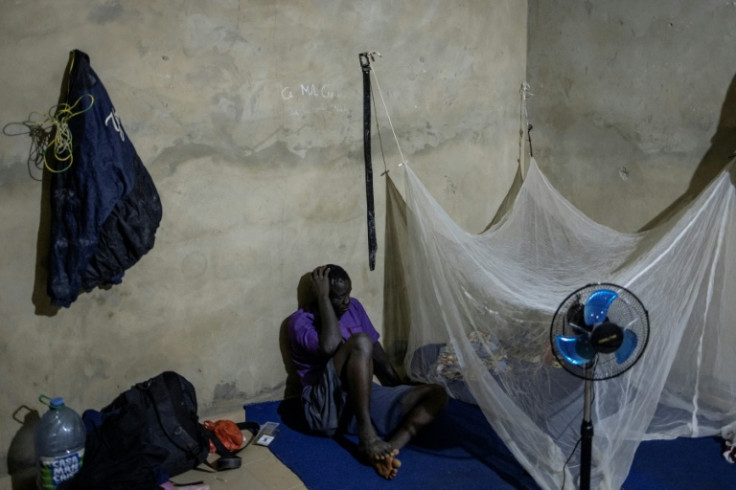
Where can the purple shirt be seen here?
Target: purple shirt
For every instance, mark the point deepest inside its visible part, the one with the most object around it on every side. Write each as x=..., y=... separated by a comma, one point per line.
x=304, y=339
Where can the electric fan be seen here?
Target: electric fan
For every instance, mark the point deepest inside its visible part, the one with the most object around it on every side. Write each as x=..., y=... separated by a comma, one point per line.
x=598, y=332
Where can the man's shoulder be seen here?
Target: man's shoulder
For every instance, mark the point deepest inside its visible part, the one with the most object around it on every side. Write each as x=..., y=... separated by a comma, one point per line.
x=357, y=311
x=355, y=303
x=300, y=316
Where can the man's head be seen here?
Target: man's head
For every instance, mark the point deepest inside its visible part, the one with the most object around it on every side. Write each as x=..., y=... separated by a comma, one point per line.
x=340, y=289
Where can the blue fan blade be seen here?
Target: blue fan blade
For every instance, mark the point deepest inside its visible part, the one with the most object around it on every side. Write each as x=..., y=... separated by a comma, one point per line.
x=576, y=350
x=628, y=346
x=596, y=307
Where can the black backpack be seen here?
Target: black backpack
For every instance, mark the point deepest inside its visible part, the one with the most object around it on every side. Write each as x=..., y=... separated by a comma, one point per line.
x=147, y=435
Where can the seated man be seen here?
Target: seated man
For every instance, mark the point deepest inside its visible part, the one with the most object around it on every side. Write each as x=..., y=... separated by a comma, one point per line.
x=336, y=352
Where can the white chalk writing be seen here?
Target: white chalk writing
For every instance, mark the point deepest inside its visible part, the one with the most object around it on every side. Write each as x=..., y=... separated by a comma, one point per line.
x=307, y=90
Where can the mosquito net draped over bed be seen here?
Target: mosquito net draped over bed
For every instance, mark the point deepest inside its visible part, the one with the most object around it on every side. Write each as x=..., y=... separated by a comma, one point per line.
x=481, y=306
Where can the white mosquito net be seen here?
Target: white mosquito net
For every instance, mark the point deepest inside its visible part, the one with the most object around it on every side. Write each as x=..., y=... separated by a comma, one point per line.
x=481, y=305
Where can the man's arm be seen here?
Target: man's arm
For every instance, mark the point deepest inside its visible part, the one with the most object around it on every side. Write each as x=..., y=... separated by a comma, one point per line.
x=330, y=337
x=382, y=368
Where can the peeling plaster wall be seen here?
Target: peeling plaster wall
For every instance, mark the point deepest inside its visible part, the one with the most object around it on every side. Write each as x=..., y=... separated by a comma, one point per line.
x=634, y=103
x=248, y=116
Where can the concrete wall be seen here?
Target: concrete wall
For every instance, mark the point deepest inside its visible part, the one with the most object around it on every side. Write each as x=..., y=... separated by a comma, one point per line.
x=634, y=105
x=248, y=116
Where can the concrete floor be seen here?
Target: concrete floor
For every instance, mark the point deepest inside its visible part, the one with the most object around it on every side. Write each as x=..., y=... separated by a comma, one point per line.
x=260, y=470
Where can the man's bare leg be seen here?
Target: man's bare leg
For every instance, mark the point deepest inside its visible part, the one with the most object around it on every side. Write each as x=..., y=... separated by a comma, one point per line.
x=421, y=404
x=354, y=361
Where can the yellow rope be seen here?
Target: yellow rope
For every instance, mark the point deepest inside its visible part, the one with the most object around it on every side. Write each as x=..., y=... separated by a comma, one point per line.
x=61, y=143
x=52, y=133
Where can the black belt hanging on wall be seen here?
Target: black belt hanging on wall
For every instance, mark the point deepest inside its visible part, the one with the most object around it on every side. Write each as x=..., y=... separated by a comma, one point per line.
x=365, y=63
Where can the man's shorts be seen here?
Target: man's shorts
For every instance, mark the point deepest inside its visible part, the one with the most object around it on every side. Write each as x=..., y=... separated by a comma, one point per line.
x=327, y=410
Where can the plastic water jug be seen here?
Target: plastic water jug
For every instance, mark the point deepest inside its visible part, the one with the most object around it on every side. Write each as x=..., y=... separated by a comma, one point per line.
x=59, y=442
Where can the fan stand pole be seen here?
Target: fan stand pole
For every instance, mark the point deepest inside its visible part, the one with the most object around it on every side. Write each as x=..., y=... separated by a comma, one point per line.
x=586, y=434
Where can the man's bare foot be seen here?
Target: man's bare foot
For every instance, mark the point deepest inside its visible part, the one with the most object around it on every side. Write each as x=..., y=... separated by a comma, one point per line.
x=387, y=467
x=376, y=449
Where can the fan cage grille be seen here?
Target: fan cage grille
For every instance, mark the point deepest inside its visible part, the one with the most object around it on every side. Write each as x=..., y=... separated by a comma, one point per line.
x=626, y=310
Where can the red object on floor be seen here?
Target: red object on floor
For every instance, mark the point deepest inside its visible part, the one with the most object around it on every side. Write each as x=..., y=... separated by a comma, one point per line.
x=227, y=431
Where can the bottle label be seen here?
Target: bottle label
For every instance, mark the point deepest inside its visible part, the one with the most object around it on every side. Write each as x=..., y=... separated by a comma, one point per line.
x=54, y=471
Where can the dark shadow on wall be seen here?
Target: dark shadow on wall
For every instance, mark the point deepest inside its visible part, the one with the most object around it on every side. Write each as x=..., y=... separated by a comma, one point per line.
x=40, y=297
x=304, y=291
x=291, y=388
x=21, y=453
x=305, y=297
x=721, y=152
x=42, y=135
